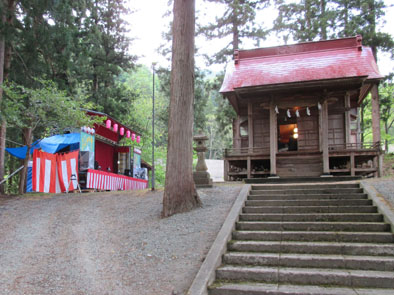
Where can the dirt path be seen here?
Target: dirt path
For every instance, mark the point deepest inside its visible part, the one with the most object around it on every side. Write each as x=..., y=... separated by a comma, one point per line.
x=105, y=243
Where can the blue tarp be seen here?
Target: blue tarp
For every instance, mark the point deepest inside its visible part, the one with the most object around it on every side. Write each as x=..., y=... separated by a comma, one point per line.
x=50, y=145
x=29, y=181
x=20, y=152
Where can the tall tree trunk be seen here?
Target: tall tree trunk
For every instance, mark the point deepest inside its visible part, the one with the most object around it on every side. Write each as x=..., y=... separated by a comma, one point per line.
x=372, y=13
x=180, y=193
x=2, y=133
x=362, y=123
x=235, y=33
x=386, y=141
x=28, y=137
x=323, y=20
x=5, y=64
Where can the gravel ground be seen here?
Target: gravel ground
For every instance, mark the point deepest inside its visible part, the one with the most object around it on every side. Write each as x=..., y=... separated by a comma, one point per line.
x=106, y=243
x=385, y=186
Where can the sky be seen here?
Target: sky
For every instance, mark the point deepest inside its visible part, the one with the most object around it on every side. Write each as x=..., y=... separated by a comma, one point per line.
x=148, y=23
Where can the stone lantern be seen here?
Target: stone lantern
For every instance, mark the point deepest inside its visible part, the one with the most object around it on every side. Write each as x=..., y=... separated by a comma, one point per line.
x=201, y=176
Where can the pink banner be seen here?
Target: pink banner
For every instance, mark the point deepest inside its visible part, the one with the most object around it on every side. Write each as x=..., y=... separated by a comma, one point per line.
x=103, y=180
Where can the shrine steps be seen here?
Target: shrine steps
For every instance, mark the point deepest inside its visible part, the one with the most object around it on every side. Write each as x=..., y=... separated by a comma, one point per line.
x=308, y=239
x=300, y=179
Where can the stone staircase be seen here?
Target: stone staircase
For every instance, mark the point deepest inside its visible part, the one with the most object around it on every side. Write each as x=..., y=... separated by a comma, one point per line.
x=316, y=239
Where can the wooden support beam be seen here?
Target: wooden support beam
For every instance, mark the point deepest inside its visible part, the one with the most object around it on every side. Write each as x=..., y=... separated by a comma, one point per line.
x=324, y=137
x=249, y=167
x=226, y=170
x=375, y=114
x=250, y=127
x=347, y=118
x=237, y=133
x=352, y=165
x=380, y=165
x=273, y=138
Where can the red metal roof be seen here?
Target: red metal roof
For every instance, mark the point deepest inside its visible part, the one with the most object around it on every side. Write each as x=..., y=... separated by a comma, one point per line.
x=332, y=59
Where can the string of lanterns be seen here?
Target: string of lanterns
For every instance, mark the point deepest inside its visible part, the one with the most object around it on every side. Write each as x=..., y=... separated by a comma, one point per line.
x=121, y=131
x=88, y=130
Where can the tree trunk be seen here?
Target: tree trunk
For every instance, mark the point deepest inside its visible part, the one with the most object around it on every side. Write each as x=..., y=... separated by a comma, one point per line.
x=235, y=33
x=5, y=64
x=386, y=142
x=323, y=20
x=180, y=193
x=28, y=136
x=2, y=134
x=362, y=123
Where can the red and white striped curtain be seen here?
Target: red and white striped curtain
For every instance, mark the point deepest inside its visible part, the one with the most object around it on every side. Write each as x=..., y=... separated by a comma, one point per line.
x=109, y=181
x=52, y=172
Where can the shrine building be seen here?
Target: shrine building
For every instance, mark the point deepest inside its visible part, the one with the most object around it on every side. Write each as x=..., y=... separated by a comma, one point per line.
x=298, y=110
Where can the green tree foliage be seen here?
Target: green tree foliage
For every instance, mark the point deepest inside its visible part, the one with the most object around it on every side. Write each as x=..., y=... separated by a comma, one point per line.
x=238, y=23
x=105, y=48
x=311, y=20
x=45, y=109
x=363, y=17
x=139, y=115
x=304, y=20
x=77, y=44
x=386, y=93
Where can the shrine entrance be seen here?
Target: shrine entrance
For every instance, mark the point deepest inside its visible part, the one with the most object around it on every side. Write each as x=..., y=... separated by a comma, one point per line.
x=288, y=136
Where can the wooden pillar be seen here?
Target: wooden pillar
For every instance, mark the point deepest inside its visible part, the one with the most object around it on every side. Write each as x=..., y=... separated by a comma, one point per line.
x=352, y=165
x=249, y=167
x=376, y=125
x=273, y=138
x=237, y=133
x=226, y=170
x=324, y=137
x=375, y=114
x=347, y=120
x=250, y=127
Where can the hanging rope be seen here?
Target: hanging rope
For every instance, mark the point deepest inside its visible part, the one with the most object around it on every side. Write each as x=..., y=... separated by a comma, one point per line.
x=9, y=140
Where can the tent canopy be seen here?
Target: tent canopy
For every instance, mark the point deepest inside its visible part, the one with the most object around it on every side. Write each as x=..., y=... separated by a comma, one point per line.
x=51, y=145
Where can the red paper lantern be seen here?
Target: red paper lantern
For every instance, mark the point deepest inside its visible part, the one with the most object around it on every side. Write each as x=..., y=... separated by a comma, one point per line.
x=121, y=131
x=128, y=134
x=115, y=127
x=133, y=136
x=138, y=139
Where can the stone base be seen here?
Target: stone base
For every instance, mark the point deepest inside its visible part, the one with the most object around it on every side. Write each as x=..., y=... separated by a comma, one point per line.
x=326, y=175
x=202, y=179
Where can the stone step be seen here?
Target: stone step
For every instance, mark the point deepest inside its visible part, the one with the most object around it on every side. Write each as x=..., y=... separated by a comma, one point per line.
x=314, y=226
x=315, y=236
x=310, y=209
x=348, y=217
x=251, y=288
x=314, y=180
x=364, y=202
x=305, y=186
x=368, y=249
x=308, y=191
x=309, y=276
x=378, y=263
x=307, y=197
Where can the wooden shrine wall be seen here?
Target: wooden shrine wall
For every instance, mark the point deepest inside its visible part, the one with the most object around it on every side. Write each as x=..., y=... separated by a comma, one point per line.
x=308, y=133
x=336, y=130
x=261, y=129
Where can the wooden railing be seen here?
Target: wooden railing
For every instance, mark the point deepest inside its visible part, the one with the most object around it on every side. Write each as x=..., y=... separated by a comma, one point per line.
x=369, y=146
x=356, y=146
x=246, y=151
